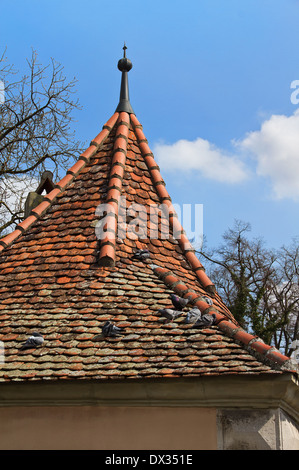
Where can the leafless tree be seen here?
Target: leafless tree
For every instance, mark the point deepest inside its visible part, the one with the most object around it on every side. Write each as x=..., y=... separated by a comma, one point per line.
x=35, y=131
x=282, y=299
x=259, y=285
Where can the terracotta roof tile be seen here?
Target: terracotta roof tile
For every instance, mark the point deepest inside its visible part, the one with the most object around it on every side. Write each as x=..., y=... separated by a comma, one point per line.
x=58, y=277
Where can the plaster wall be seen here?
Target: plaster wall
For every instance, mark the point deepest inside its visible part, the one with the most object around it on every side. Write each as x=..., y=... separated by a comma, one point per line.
x=263, y=429
x=111, y=428
x=233, y=412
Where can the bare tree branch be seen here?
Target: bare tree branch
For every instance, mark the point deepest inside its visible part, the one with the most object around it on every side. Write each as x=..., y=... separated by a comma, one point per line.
x=260, y=286
x=35, y=126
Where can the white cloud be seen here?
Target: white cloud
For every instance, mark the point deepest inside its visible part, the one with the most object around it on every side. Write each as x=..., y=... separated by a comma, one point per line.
x=200, y=155
x=275, y=148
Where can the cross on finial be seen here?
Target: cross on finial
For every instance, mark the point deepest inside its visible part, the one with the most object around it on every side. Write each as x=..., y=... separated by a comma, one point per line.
x=125, y=48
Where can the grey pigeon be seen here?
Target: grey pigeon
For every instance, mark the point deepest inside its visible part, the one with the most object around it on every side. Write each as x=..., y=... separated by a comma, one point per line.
x=109, y=329
x=33, y=341
x=169, y=313
x=141, y=254
x=193, y=315
x=178, y=302
x=206, y=320
x=207, y=300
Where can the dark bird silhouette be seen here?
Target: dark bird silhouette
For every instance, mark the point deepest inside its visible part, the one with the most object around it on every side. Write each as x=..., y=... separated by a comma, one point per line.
x=141, y=255
x=33, y=341
x=178, y=302
x=169, y=313
x=109, y=329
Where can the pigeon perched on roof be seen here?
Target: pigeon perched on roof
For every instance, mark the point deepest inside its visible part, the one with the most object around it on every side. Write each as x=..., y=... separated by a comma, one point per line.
x=33, y=341
x=205, y=320
x=207, y=300
x=178, y=302
x=193, y=315
x=109, y=329
x=141, y=254
x=169, y=313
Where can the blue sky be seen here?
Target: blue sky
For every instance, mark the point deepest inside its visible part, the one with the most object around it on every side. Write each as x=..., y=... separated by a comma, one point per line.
x=211, y=85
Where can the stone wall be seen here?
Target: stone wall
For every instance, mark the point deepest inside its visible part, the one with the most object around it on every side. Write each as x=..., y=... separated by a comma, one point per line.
x=263, y=429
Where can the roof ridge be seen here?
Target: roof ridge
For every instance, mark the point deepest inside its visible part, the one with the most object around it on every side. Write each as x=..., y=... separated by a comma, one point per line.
x=172, y=281
x=162, y=192
x=39, y=210
x=227, y=325
x=107, y=249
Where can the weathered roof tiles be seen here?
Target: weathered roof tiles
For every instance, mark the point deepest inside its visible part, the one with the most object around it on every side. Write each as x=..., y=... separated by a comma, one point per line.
x=59, y=277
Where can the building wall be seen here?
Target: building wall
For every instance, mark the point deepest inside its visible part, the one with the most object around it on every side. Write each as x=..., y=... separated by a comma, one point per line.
x=233, y=412
x=112, y=428
x=145, y=428
x=263, y=429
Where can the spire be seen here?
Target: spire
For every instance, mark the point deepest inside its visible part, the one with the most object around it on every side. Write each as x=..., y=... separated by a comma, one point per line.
x=124, y=65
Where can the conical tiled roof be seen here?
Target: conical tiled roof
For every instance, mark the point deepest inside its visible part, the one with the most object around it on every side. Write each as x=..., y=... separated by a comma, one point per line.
x=60, y=276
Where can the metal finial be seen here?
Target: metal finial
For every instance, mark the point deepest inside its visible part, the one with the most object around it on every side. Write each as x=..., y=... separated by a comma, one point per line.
x=124, y=65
